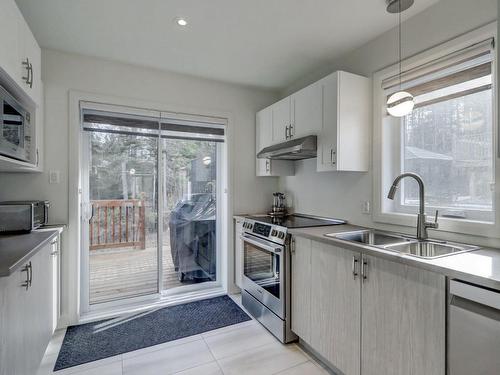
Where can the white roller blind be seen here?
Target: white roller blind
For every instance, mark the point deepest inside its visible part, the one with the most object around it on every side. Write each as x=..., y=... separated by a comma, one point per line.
x=457, y=61
x=461, y=73
x=124, y=123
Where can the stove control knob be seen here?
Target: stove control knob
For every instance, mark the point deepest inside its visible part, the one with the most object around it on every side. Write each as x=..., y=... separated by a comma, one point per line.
x=281, y=235
x=274, y=232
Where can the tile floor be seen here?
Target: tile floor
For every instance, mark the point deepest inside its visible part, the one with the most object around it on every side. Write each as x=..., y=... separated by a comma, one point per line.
x=244, y=349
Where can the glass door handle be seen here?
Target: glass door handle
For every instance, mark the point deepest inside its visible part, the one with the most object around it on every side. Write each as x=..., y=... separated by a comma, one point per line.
x=92, y=211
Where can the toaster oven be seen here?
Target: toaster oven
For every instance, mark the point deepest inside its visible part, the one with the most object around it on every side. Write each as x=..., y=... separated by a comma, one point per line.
x=23, y=216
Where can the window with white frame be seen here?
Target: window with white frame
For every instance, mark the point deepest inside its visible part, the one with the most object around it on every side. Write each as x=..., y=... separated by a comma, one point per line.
x=448, y=139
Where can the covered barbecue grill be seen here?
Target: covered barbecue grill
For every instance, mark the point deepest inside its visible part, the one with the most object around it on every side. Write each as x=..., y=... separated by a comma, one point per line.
x=193, y=238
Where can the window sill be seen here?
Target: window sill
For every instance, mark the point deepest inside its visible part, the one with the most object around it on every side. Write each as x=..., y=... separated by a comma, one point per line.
x=457, y=226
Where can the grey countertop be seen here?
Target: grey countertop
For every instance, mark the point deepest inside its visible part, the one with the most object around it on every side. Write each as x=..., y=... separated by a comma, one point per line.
x=480, y=267
x=16, y=249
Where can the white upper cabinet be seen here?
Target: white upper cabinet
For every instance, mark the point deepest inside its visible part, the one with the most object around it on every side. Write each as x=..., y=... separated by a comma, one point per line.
x=264, y=128
x=345, y=135
x=20, y=59
x=20, y=75
x=31, y=69
x=298, y=115
x=307, y=106
x=10, y=35
x=337, y=109
x=281, y=120
x=264, y=138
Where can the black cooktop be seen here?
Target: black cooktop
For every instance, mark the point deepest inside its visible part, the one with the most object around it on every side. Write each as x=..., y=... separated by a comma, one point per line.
x=296, y=221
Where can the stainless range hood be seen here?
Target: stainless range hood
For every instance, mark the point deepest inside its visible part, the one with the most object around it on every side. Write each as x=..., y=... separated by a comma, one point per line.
x=296, y=149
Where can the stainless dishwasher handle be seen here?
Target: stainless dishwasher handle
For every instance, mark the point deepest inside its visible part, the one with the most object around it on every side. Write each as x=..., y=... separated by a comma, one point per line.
x=477, y=294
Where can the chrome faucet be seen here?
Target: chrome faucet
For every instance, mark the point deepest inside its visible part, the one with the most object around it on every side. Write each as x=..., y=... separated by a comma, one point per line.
x=422, y=224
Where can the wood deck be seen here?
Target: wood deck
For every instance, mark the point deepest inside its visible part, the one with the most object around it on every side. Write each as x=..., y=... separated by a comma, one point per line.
x=128, y=272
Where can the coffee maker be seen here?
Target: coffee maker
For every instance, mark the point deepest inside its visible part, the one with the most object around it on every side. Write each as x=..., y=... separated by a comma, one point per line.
x=279, y=208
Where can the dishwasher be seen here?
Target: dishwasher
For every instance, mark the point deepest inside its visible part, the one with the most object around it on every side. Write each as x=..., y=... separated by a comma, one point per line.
x=473, y=330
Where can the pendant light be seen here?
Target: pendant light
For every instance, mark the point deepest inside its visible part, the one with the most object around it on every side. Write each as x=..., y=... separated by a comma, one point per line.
x=400, y=103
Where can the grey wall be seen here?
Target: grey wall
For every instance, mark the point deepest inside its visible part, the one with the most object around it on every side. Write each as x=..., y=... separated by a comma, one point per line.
x=342, y=194
x=63, y=72
x=444, y=21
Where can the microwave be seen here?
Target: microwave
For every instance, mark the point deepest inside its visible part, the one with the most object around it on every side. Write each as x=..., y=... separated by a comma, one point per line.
x=15, y=128
x=23, y=216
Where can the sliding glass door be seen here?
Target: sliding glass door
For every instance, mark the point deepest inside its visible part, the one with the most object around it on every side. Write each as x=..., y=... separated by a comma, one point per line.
x=189, y=211
x=122, y=251
x=151, y=186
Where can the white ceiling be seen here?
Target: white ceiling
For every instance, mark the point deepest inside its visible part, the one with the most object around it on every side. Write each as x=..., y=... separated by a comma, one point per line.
x=263, y=43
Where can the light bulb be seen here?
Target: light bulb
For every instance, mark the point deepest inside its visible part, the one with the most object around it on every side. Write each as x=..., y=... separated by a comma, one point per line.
x=400, y=104
x=181, y=21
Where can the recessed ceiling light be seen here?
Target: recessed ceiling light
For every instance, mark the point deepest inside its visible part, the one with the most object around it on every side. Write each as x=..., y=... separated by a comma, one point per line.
x=181, y=21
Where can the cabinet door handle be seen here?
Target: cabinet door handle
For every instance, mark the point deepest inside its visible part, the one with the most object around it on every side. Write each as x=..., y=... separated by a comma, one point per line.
x=355, y=267
x=26, y=269
x=30, y=274
x=26, y=65
x=290, y=132
x=286, y=132
x=364, y=267
x=31, y=75
x=268, y=166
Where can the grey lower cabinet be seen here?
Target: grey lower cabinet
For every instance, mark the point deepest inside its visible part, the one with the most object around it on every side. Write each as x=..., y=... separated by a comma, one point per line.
x=301, y=288
x=403, y=324
x=238, y=253
x=379, y=317
x=335, y=307
x=26, y=314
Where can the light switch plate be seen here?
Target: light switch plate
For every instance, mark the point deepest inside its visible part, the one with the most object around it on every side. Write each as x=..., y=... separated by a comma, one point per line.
x=54, y=177
x=366, y=207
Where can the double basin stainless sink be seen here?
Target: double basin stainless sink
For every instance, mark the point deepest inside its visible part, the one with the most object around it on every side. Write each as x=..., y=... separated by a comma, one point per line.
x=428, y=249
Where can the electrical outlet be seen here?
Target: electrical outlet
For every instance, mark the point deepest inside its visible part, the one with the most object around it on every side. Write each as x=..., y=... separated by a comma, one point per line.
x=366, y=207
x=54, y=177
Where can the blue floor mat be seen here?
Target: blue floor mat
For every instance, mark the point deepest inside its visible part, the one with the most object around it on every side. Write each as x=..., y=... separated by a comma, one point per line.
x=106, y=338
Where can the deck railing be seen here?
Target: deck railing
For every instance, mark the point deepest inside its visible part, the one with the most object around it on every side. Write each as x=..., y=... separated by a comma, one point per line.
x=117, y=223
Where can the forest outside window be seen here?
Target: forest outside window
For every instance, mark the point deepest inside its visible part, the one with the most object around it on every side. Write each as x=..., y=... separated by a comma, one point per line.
x=448, y=139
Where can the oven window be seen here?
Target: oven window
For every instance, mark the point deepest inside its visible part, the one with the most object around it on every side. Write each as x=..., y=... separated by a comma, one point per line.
x=263, y=268
x=13, y=125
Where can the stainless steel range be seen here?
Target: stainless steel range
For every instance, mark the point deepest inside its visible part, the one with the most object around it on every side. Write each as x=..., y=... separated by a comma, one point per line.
x=266, y=268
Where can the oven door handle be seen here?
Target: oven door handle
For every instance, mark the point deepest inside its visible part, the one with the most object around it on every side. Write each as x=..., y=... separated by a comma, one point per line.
x=262, y=244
